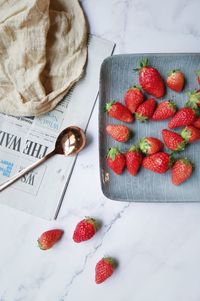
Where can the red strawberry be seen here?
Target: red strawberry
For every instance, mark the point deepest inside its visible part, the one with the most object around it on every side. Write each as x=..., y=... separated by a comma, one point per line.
x=146, y=109
x=176, y=80
x=190, y=134
x=198, y=76
x=116, y=160
x=133, y=160
x=181, y=171
x=150, y=79
x=159, y=162
x=197, y=123
x=151, y=145
x=164, y=110
x=49, y=238
x=173, y=140
x=104, y=269
x=118, y=132
x=194, y=99
x=85, y=229
x=119, y=111
x=133, y=98
x=183, y=117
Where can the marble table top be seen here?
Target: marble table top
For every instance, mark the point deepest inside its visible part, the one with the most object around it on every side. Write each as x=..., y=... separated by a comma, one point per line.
x=157, y=245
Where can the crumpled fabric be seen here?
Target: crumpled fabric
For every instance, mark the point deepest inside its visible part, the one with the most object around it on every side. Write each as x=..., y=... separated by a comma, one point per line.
x=43, y=50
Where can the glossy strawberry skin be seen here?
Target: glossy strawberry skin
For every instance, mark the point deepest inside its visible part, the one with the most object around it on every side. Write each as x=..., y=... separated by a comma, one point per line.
x=164, y=110
x=197, y=123
x=119, y=111
x=185, y=116
x=159, y=162
x=85, y=230
x=190, y=134
x=104, y=269
x=151, y=80
x=173, y=140
x=120, y=133
x=133, y=160
x=151, y=145
x=176, y=80
x=49, y=238
x=181, y=171
x=133, y=98
x=116, y=160
x=146, y=109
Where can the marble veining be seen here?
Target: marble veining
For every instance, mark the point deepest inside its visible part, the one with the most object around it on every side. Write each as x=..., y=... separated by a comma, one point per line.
x=157, y=245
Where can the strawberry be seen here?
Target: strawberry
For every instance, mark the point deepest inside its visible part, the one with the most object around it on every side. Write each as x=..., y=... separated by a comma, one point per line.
x=150, y=79
x=164, y=110
x=176, y=80
x=116, y=160
x=197, y=123
x=49, y=238
x=118, y=132
x=159, y=162
x=194, y=99
x=133, y=98
x=146, y=109
x=119, y=111
x=198, y=76
x=185, y=116
x=181, y=171
x=133, y=160
x=104, y=269
x=151, y=145
x=173, y=140
x=190, y=134
x=85, y=229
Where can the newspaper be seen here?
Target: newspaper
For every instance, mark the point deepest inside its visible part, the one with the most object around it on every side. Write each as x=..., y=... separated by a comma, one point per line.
x=24, y=140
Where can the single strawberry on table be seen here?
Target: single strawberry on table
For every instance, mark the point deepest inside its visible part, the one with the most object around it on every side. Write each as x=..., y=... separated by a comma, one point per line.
x=190, y=134
x=150, y=145
x=133, y=98
x=118, y=132
x=176, y=80
x=145, y=110
x=116, y=160
x=158, y=162
x=85, y=229
x=150, y=79
x=173, y=140
x=185, y=116
x=49, y=238
x=181, y=171
x=119, y=111
x=198, y=76
x=133, y=160
x=104, y=269
x=164, y=110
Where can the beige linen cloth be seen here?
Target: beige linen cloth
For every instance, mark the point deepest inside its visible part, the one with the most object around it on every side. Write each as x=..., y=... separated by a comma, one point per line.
x=43, y=50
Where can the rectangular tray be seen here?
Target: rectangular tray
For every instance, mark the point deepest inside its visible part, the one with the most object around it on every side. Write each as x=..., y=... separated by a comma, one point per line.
x=116, y=77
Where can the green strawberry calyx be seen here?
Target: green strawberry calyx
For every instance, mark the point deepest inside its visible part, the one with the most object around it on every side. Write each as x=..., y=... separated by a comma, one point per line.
x=108, y=106
x=141, y=117
x=112, y=153
x=112, y=261
x=143, y=63
x=194, y=99
x=186, y=134
x=134, y=148
x=186, y=161
x=144, y=145
x=135, y=87
x=198, y=72
x=172, y=105
x=174, y=71
x=93, y=221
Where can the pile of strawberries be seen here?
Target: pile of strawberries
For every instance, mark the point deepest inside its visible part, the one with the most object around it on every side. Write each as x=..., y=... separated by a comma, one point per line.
x=148, y=152
x=84, y=230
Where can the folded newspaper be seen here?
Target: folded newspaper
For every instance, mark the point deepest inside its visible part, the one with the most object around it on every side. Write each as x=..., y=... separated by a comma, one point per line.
x=24, y=140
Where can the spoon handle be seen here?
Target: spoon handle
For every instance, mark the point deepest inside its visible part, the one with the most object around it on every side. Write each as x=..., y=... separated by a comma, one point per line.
x=26, y=170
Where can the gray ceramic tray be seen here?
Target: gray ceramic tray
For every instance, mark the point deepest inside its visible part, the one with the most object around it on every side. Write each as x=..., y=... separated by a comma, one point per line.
x=116, y=77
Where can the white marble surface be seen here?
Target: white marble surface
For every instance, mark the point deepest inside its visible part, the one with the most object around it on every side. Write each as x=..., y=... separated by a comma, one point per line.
x=157, y=245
